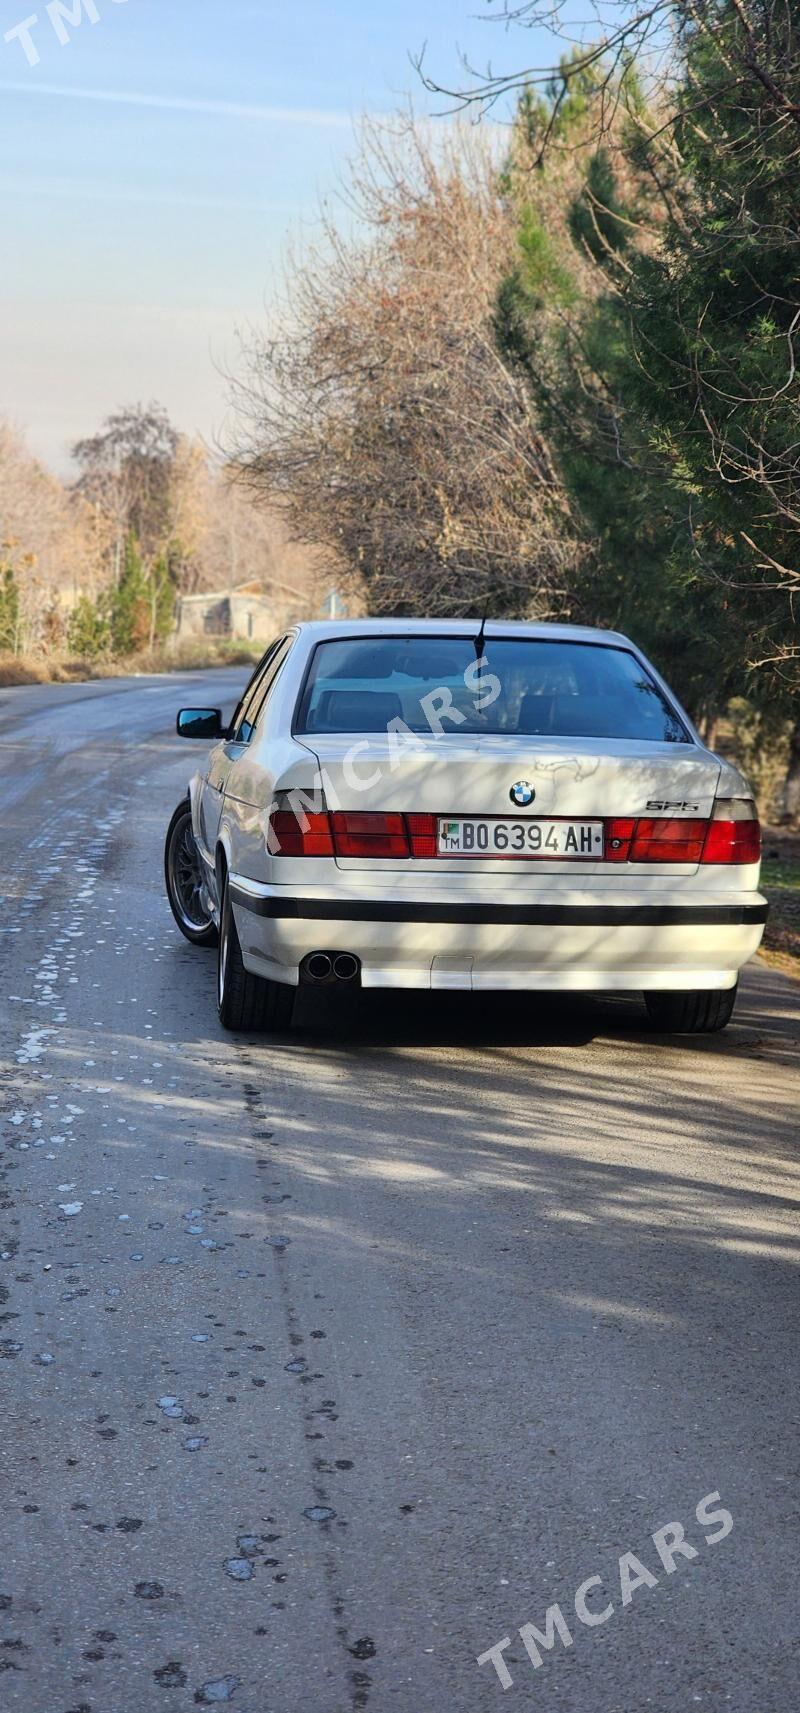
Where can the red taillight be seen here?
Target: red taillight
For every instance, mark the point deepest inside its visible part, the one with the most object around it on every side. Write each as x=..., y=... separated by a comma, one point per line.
x=369, y=835
x=422, y=835
x=668, y=841
x=299, y=834
x=345, y=833
x=619, y=833
x=731, y=837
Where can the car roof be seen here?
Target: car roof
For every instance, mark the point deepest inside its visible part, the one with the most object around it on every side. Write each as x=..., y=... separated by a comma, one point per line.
x=328, y=630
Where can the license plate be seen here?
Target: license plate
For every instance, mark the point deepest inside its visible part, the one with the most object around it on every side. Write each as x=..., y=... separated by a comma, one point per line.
x=500, y=838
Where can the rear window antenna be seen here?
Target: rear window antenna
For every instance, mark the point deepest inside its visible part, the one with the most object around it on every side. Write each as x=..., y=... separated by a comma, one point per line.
x=480, y=640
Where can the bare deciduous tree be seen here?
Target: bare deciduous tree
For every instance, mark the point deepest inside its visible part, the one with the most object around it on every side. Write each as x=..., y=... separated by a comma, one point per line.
x=60, y=542
x=126, y=469
x=53, y=541
x=384, y=421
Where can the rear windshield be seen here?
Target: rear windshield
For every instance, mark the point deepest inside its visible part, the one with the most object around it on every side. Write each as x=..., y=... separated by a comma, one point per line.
x=522, y=686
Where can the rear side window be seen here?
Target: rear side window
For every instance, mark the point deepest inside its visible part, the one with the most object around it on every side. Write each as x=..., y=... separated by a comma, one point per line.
x=268, y=683
x=241, y=727
x=524, y=686
x=258, y=691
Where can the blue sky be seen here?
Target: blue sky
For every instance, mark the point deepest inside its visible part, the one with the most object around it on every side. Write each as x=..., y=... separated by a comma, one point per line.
x=151, y=170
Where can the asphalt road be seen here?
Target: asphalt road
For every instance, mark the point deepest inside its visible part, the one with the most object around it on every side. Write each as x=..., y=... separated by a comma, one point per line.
x=330, y=1362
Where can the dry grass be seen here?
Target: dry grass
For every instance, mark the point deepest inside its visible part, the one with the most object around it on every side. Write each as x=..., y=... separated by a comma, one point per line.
x=196, y=656
x=15, y=670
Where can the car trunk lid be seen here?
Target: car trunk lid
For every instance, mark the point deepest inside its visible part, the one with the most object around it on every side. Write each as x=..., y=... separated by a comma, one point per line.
x=467, y=776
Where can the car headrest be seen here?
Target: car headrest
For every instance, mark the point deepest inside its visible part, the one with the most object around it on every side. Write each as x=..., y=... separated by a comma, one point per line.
x=535, y=714
x=355, y=711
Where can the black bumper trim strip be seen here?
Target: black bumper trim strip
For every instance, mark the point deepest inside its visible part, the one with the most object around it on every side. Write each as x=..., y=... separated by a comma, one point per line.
x=523, y=915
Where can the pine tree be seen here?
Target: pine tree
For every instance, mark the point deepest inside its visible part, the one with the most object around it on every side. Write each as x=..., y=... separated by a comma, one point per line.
x=163, y=586
x=713, y=313
x=88, y=633
x=10, y=615
x=652, y=308
x=130, y=617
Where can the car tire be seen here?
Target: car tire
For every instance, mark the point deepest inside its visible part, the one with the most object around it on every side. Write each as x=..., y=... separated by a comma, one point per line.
x=247, y=1002
x=698, y=1013
x=183, y=875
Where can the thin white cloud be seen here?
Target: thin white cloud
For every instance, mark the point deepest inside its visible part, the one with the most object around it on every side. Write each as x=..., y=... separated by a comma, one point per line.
x=312, y=116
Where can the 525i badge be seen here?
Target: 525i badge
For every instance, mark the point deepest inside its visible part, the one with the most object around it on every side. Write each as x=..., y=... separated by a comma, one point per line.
x=674, y=808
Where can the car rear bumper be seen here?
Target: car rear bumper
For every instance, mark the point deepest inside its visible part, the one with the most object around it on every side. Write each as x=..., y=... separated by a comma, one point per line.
x=581, y=943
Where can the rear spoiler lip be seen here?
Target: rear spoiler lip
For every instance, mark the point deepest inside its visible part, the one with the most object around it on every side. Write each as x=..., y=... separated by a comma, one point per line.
x=520, y=915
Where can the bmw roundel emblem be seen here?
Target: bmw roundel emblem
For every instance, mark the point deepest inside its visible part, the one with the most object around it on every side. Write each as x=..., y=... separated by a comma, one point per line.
x=522, y=793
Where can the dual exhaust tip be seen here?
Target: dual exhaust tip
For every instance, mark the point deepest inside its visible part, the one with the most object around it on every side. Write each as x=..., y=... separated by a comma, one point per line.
x=322, y=969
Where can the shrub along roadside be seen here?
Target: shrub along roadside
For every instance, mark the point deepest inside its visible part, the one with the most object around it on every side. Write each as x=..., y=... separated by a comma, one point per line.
x=200, y=656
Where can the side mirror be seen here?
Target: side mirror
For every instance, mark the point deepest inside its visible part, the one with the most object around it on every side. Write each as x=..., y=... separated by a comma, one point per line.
x=203, y=723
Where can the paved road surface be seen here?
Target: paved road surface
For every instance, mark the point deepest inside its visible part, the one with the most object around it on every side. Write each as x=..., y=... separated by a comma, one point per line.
x=332, y=1362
